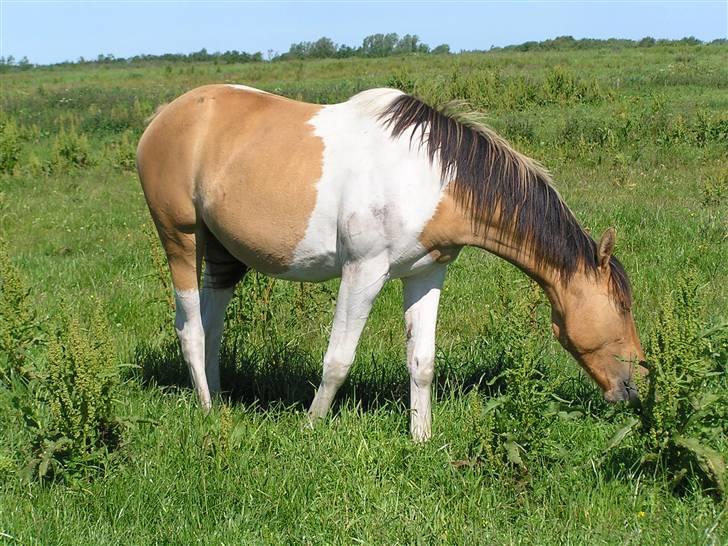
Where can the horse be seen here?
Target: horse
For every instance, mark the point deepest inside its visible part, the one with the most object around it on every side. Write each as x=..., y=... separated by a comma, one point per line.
x=378, y=187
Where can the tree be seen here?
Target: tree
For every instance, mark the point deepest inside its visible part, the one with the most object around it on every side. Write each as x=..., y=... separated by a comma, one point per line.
x=407, y=44
x=323, y=48
x=442, y=49
x=379, y=45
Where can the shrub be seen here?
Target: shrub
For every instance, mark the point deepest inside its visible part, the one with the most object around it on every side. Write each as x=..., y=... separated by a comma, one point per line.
x=562, y=87
x=70, y=150
x=19, y=325
x=71, y=411
x=519, y=128
x=66, y=398
x=510, y=428
x=684, y=410
x=9, y=146
x=715, y=189
x=402, y=80
x=122, y=153
x=709, y=129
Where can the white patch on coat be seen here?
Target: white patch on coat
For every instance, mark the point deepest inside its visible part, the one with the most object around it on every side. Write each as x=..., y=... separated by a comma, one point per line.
x=188, y=324
x=246, y=88
x=375, y=195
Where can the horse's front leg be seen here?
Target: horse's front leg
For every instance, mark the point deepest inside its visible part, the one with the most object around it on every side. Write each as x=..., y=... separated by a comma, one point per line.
x=421, y=298
x=360, y=284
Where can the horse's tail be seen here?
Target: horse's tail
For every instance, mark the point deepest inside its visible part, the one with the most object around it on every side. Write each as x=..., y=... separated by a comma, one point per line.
x=149, y=119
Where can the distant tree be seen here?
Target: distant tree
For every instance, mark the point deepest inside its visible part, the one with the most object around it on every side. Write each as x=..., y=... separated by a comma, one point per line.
x=344, y=51
x=323, y=48
x=297, y=51
x=379, y=45
x=409, y=43
x=320, y=49
x=690, y=40
x=647, y=41
x=201, y=55
x=442, y=49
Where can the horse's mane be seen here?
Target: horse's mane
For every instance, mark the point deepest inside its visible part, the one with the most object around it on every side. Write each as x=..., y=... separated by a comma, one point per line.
x=489, y=179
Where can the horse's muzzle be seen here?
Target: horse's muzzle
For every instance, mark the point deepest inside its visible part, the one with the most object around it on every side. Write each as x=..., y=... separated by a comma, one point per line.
x=625, y=392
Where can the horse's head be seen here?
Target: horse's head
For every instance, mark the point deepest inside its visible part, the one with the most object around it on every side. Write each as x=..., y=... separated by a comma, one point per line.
x=596, y=326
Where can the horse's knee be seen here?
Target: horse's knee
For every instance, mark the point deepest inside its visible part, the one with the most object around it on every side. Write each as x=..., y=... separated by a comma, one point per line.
x=335, y=370
x=422, y=369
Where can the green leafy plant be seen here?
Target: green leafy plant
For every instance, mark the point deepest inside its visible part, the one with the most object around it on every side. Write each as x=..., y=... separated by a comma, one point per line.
x=71, y=149
x=19, y=325
x=684, y=409
x=509, y=429
x=9, y=145
x=71, y=413
x=714, y=189
x=122, y=153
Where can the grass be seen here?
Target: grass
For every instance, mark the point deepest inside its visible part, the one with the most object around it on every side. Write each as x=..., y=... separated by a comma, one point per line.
x=636, y=155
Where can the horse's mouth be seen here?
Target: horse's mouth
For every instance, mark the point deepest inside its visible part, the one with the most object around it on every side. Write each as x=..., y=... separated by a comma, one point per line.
x=625, y=392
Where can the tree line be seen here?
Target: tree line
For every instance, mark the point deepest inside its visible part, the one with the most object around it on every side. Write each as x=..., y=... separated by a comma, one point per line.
x=374, y=45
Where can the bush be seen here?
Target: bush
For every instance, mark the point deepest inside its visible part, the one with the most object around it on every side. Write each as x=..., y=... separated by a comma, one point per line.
x=70, y=150
x=519, y=128
x=19, y=325
x=9, y=146
x=71, y=412
x=510, y=430
x=684, y=408
x=122, y=153
x=714, y=190
x=65, y=399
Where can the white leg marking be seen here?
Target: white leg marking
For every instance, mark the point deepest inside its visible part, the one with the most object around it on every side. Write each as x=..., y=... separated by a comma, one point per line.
x=214, y=303
x=360, y=285
x=188, y=323
x=421, y=299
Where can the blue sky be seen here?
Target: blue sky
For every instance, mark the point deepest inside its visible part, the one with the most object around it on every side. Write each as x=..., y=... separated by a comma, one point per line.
x=54, y=30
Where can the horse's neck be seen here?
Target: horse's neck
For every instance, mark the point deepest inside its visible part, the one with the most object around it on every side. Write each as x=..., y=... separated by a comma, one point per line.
x=452, y=226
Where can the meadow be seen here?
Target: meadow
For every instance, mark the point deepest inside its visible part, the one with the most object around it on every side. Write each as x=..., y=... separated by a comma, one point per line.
x=524, y=449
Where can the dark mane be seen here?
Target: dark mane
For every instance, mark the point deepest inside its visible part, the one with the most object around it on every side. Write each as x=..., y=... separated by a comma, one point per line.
x=490, y=178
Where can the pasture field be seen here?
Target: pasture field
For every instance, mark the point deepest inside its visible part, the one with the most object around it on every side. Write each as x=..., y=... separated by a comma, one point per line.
x=635, y=138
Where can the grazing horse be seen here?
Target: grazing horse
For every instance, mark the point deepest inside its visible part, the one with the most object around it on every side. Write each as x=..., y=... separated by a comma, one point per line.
x=378, y=187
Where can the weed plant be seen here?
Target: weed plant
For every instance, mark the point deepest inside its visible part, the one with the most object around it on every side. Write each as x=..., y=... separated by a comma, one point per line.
x=9, y=145
x=684, y=408
x=70, y=150
x=71, y=413
x=20, y=327
x=64, y=394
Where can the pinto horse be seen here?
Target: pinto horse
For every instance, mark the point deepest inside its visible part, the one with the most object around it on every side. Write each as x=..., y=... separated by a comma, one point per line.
x=378, y=187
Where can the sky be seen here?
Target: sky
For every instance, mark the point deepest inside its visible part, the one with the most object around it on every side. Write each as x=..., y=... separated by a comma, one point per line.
x=51, y=31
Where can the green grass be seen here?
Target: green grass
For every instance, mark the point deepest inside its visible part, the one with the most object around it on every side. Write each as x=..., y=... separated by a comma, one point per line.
x=634, y=155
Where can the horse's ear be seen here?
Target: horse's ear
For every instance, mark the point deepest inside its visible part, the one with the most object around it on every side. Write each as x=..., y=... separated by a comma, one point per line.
x=606, y=247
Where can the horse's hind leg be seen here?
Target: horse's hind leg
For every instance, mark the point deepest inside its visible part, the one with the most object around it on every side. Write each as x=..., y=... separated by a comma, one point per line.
x=222, y=273
x=184, y=246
